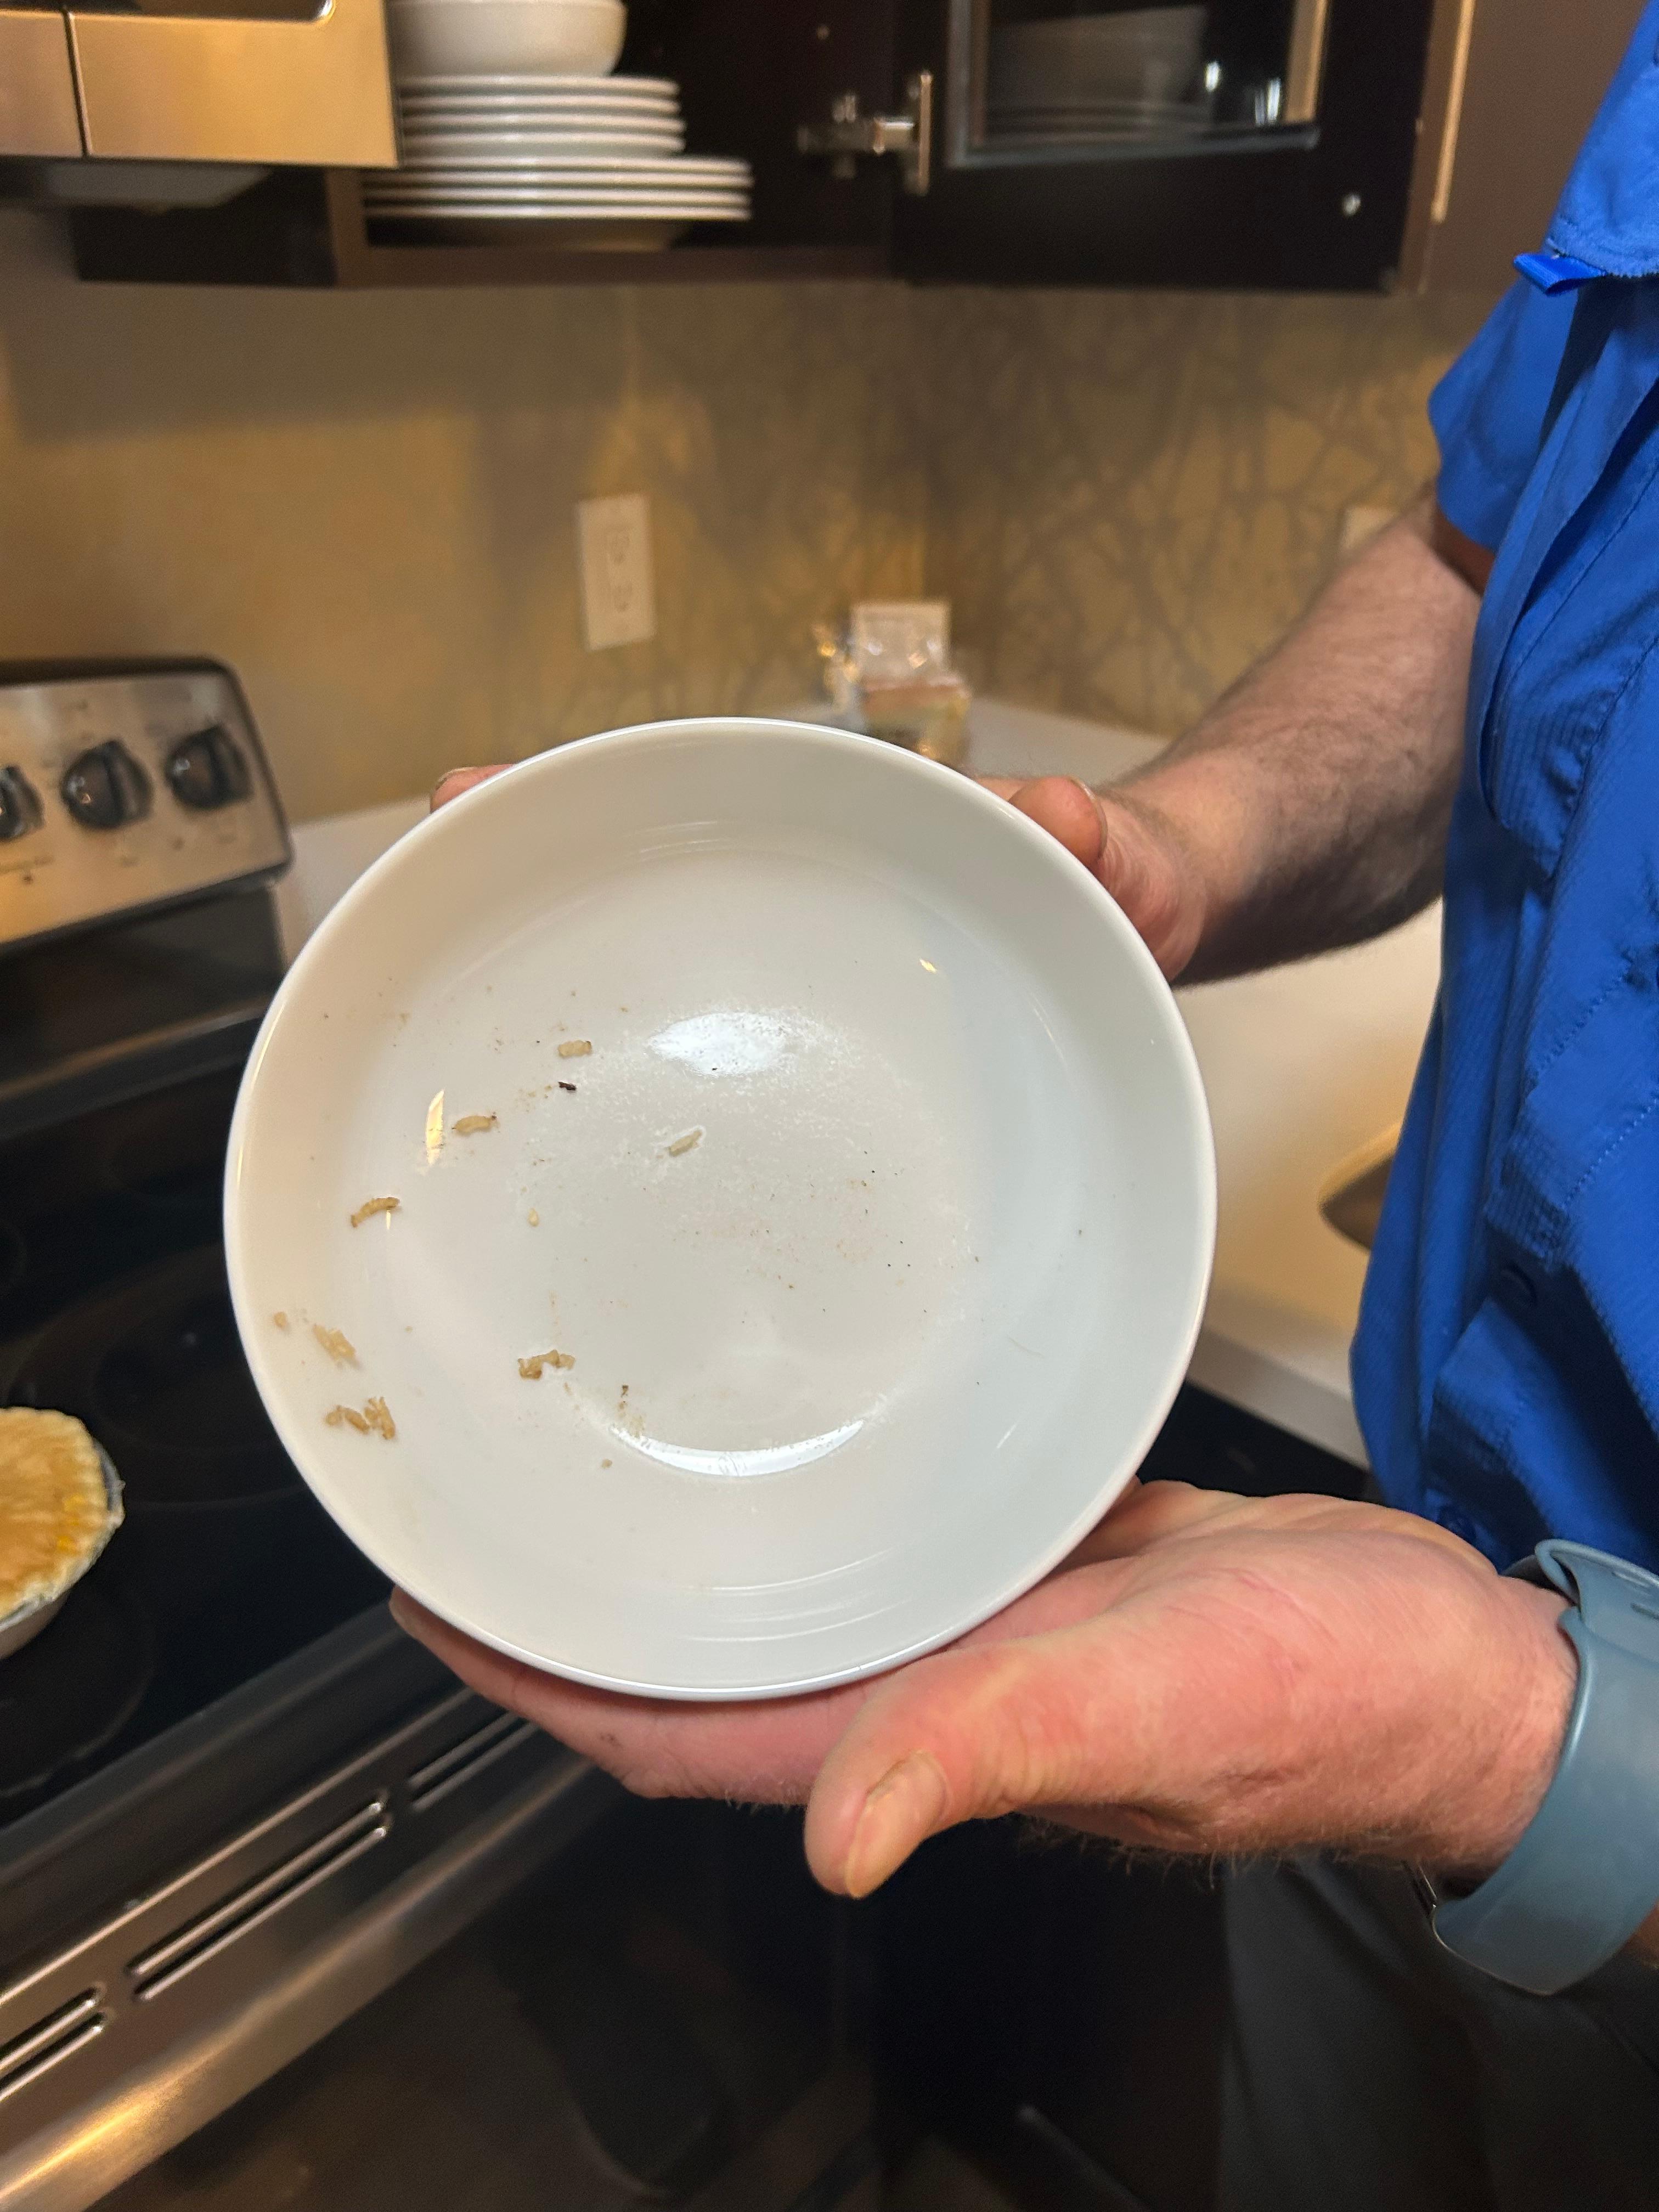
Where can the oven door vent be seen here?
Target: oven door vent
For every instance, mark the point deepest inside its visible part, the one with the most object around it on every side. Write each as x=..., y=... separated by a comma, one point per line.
x=250, y=1907
x=29, y=2056
x=430, y=1783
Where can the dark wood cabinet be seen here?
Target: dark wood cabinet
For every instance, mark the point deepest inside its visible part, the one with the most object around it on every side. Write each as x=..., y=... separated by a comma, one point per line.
x=1307, y=145
x=1512, y=87
x=1274, y=182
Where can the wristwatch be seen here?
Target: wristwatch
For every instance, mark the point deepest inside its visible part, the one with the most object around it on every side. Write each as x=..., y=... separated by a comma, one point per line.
x=1585, y=1875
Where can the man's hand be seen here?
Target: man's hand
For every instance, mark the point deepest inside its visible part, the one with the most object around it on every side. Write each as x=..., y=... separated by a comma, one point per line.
x=1208, y=1674
x=1134, y=850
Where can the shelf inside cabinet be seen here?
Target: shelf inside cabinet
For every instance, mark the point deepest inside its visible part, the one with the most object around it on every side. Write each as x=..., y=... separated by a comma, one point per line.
x=371, y=256
x=308, y=227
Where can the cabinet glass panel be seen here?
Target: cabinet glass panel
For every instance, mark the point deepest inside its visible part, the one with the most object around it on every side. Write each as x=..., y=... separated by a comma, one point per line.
x=1047, y=80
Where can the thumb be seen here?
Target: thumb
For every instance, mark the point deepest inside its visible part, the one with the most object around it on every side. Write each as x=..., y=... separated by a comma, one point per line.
x=1133, y=852
x=1068, y=811
x=456, y=780
x=968, y=1734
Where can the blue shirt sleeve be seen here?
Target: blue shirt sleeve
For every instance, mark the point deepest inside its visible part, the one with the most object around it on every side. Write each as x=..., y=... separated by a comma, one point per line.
x=1491, y=408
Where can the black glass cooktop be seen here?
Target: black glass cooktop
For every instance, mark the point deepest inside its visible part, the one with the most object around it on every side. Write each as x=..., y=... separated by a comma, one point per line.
x=113, y=1306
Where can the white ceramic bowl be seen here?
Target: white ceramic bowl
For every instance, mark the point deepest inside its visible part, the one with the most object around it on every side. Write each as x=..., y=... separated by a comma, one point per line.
x=569, y=38
x=877, y=1221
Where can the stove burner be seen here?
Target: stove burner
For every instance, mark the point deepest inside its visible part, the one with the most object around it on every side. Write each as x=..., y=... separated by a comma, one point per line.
x=156, y=1370
x=71, y=1691
x=178, y=1383
x=166, y=1155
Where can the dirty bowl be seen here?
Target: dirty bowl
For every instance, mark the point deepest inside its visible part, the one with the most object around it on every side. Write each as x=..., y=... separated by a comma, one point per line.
x=805, y=1201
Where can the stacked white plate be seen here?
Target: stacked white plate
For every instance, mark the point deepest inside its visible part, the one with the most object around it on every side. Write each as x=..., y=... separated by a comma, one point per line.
x=587, y=152
x=1104, y=118
x=1134, y=74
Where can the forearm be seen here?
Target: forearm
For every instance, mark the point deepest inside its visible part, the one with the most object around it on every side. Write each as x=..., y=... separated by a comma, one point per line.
x=1312, y=801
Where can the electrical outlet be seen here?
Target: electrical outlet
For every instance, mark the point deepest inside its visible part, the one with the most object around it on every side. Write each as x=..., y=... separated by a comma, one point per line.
x=613, y=543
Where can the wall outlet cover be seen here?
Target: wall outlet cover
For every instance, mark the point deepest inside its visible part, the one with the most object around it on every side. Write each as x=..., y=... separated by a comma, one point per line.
x=613, y=545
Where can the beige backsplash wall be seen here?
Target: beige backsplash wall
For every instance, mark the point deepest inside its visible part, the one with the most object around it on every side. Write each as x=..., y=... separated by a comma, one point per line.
x=1131, y=494
x=365, y=502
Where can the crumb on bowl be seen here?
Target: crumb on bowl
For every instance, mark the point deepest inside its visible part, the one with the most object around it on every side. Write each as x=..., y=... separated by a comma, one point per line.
x=530, y=1369
x=373, y=1206
x=575, y=1047
x=337, y=1345
x=375, y=1418
x=473, y=1125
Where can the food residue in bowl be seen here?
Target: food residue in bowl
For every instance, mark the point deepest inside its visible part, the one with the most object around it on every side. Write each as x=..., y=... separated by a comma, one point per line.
x=568, y=1086
x=692, y=1136
x=375, y=1418
x=434, y=1128
x=473, y=1125
x=279, y=1319
x=575, y=1047
x=374, y=1205
x=335, y=1341
x=530, y=1369
x=534, y=1219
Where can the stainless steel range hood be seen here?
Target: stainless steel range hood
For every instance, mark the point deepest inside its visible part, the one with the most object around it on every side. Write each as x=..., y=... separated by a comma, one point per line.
x=259, y=83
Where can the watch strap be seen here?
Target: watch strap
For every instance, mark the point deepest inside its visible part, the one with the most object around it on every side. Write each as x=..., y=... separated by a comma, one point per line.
x=1585, y=1875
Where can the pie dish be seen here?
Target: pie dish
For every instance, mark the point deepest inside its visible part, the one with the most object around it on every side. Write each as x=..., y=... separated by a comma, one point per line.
x=60, y=1503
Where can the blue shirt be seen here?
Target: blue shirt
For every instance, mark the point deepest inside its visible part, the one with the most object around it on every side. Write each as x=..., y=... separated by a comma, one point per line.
x=1506, y=1369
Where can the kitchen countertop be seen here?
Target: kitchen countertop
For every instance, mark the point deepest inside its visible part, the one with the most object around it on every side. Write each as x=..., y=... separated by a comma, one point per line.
x=1302, y=1066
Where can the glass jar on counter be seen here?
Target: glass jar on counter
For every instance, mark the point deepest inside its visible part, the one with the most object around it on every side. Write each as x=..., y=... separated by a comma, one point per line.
x=888, y=672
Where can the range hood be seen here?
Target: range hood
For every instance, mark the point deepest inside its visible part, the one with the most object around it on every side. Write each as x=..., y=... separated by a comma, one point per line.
x=256, y=84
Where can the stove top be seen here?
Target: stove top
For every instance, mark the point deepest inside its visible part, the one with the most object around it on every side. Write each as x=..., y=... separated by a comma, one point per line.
x=235, y=1801
x=113, y=1307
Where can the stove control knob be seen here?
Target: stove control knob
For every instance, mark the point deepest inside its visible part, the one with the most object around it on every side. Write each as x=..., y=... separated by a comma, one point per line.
x=20, y=809
x=207, y=770
x=106, y=787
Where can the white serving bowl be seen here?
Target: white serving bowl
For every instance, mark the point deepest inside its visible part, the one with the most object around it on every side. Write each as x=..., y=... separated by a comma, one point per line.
x=567, y=37
x=877, y=1220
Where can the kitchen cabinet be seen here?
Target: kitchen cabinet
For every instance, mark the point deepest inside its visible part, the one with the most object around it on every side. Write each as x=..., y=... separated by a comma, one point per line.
x=1294, y=144
x=1504, y=77
x=1283, y=161
x=37, y=113
x=211, y=83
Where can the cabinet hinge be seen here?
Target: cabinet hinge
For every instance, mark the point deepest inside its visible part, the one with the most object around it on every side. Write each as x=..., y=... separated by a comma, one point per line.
x=850, y=135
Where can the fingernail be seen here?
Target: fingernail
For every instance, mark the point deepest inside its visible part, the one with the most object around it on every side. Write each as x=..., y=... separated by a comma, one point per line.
x=901, y=1811
x=399, y=1610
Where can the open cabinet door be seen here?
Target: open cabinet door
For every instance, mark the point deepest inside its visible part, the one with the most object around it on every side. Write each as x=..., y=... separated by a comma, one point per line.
x=751, y=73
x=1243, y=143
